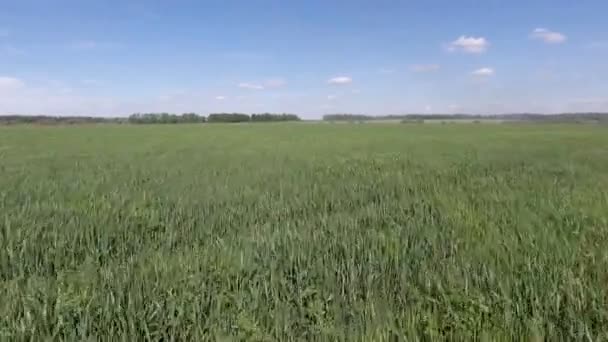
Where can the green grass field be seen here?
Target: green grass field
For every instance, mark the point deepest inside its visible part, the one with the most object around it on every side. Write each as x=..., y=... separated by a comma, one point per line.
x=285, y=232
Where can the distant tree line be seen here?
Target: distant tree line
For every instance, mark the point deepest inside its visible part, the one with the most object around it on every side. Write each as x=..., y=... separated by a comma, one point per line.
x=57, y=120
x=228, y=117
x=267, y=117
x=147, y=118
x=165, y=118
x=168, y=118
x=532, y=117
x=239, y=117
x=348, y=117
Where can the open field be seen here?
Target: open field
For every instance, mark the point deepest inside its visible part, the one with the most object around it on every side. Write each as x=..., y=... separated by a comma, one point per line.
x=296, y=231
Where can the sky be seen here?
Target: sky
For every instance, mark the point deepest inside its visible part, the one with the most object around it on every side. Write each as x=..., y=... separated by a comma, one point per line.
x=313, y=57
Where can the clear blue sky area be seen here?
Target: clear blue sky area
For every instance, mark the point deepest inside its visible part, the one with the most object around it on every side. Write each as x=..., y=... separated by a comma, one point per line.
x=95, y=57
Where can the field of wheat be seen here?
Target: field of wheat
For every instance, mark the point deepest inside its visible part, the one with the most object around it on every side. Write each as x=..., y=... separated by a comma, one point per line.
x=283, y=232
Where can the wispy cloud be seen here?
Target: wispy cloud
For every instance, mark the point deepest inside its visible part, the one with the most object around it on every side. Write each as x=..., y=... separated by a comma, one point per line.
x=275, y=82
x=331, y=97
x=20, y=98
x=251, y=86
x=425, y=67
x=467, y=44
x=548, y=36
x=10, y=83
x=340, y=80
x=220, y=98
x=483, y=72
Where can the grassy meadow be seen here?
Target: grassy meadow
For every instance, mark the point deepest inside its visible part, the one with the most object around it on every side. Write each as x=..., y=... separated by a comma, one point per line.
x=279, y=232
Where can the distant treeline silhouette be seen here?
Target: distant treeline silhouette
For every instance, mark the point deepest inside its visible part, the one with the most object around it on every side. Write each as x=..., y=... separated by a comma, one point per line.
x=239, y=117
x=267, y=117
x=563, y=117
x=57, y=120
x=165, y=118
x=147, y=118
x=168, y=118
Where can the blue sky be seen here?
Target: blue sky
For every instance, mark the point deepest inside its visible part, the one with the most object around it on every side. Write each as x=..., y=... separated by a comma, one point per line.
x=116, y=57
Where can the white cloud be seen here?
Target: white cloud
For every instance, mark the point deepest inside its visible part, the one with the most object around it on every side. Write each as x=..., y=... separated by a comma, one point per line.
x=425, y=67
x=340, y=80
x=10, y=83
x=331, y=97
x=469, y=44
x=220, y=98
x=251, y=86
x=275, y=82
x=483, y=72
x=548, y=36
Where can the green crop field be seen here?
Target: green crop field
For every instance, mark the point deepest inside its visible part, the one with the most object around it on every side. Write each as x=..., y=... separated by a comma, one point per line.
x=278, y=232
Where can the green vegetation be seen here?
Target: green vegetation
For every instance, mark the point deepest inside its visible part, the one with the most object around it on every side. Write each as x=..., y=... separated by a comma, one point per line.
x=518, y=117
x=239, y=117
x=165, y=118
x=168, y=118
x=146, y=118
x=267, y=117
x=56, y=120
x=304, y=231
x=228, y=117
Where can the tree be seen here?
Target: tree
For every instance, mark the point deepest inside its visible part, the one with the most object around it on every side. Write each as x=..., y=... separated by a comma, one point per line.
x=228, y=117
x=268, y=117
x=165, y=118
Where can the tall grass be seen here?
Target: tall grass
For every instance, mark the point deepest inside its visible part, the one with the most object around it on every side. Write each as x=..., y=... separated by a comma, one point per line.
x=304, y=232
